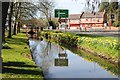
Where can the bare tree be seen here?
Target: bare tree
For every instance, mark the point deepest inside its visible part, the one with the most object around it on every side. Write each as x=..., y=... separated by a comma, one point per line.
x=23, y=10
x=46, y=8
x=93, y=4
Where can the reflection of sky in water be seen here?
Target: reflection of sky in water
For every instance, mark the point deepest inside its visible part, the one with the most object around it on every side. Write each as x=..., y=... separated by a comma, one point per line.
x=44, y=55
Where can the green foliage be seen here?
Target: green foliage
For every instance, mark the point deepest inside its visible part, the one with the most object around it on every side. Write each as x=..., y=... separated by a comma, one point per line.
x=17, y=62
x=113, y=6
x=62, y=38
x=104, y=5
x=108, y=46
x=5, y=46
x=116, y=24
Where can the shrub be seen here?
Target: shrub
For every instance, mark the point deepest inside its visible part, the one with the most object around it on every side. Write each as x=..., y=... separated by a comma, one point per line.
x=116, y=24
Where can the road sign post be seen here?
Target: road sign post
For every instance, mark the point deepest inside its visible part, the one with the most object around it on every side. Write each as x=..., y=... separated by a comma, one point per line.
x=61, y=13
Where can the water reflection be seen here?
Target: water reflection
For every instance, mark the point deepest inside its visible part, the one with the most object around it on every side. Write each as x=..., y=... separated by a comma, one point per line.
x=62, y=59
x=58, y=62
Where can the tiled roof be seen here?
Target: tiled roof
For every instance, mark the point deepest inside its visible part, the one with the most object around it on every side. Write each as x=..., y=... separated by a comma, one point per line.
x=93, y=15
x=74, y=16
x=86, y=15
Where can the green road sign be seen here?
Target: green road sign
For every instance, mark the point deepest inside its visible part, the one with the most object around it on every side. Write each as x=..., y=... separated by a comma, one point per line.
x=61, y=13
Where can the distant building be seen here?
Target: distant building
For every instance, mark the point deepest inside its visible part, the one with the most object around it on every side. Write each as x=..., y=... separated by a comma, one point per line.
x=74, y=21
x=87, y=20
x=93, y=19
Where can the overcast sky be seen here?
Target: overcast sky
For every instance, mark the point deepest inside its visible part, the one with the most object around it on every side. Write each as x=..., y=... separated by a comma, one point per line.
x=74, y=6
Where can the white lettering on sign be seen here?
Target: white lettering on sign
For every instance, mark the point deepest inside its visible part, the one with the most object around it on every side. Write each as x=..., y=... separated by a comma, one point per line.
x=61, y=13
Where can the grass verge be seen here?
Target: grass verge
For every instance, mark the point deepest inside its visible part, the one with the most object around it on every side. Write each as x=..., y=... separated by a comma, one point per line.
x=17, y=62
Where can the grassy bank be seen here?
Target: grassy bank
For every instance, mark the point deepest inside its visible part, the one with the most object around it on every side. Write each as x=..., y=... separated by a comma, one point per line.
x=17, y=62
x=71, y=41
x=107, y=46
x=113, y=69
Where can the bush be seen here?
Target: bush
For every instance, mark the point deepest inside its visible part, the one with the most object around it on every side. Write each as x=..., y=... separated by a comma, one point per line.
x=116, y=24
x=63, y=38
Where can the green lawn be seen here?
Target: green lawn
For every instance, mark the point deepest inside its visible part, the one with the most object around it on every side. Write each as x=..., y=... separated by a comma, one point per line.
x=17, y=62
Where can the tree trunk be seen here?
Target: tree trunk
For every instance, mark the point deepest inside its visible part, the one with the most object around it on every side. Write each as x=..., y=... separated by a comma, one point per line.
x=10, y=20
x=5, y=6
x=16, y=17
x=18, y=29
x=14, y=30
x=19, y=17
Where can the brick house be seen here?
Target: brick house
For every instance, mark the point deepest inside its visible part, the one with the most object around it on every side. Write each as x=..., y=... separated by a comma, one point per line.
x=93, y=19
x=74, y=20
x=87, y=20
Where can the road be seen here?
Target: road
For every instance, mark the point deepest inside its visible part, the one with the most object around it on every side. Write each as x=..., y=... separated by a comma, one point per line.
x=114, y=32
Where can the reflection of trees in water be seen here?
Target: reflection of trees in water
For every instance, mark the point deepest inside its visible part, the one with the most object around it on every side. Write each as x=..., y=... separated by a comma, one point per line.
x=44, y=52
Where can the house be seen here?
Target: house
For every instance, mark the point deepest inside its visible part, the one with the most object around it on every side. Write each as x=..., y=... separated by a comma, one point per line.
x=74, y=21
x=87, y=20
x=93, y=19
x=84, y=19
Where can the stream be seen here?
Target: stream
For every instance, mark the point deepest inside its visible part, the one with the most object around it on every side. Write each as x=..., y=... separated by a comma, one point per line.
x=59, y=62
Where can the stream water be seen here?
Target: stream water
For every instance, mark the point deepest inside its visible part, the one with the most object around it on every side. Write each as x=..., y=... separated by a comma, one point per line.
x=58, y=62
